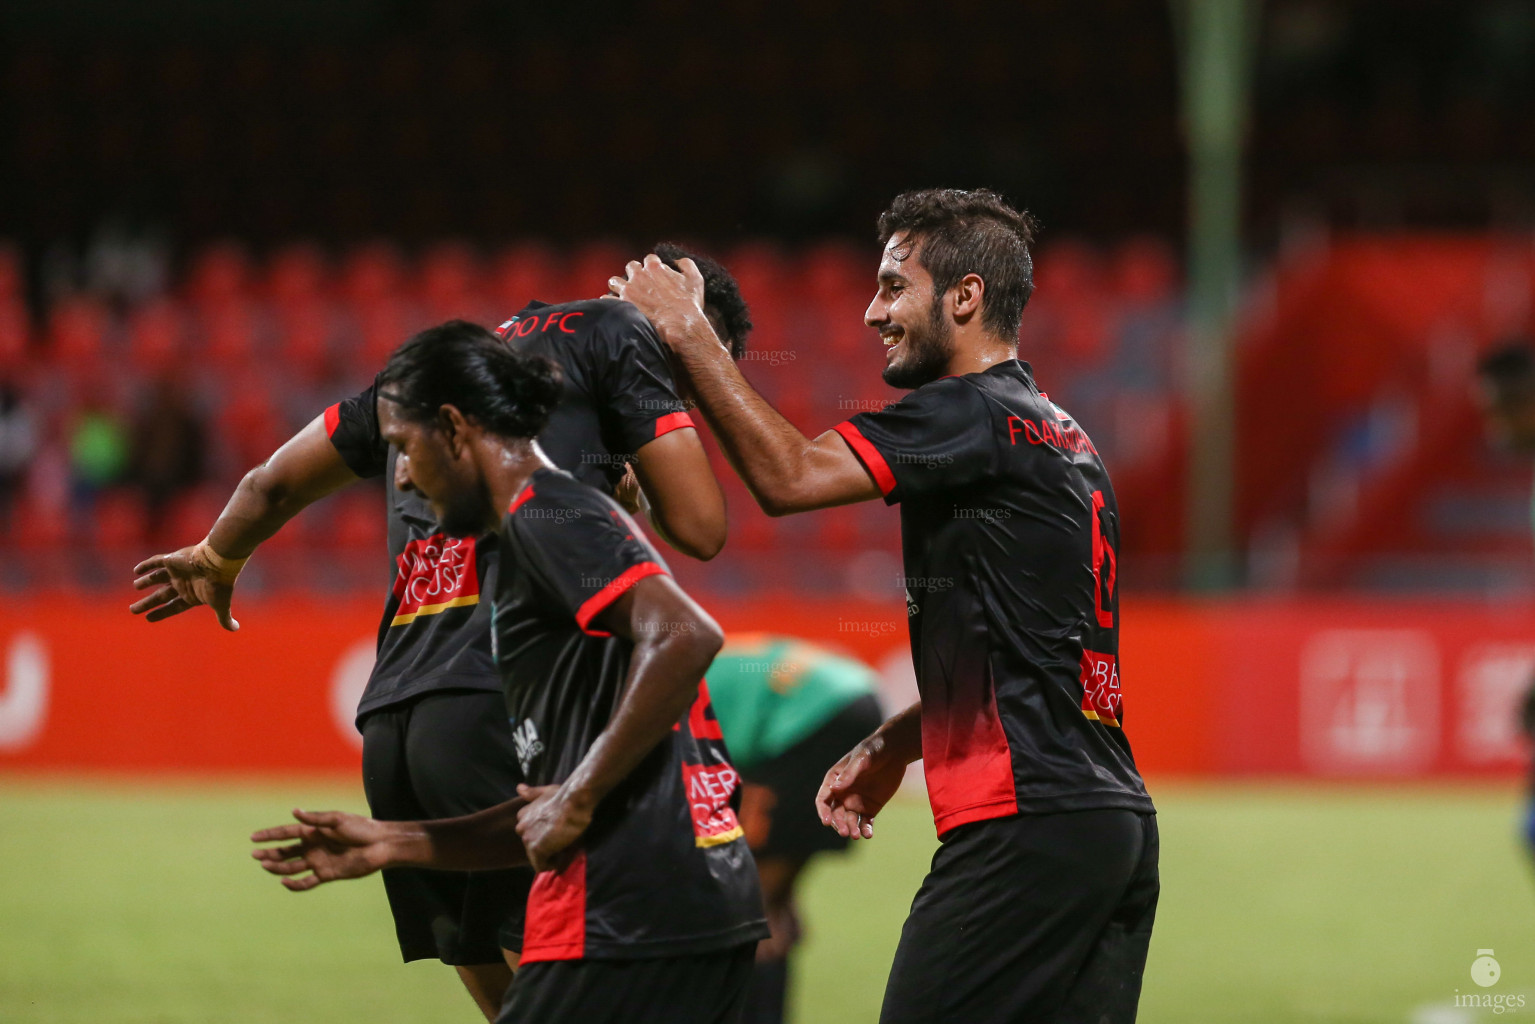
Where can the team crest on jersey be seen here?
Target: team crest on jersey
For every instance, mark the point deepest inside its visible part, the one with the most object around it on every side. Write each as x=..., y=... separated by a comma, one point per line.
x=709, y=789
x=529, y=746
x=435, y=573
x=1101, y=698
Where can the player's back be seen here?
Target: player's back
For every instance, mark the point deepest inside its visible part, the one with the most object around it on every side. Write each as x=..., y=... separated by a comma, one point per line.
x=619, y=393
x=770, y=692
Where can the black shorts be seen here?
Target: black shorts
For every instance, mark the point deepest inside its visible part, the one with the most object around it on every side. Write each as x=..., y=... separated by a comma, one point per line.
x=1039, y=918
x=780, y=817
x=441, y=755
x=701, y=988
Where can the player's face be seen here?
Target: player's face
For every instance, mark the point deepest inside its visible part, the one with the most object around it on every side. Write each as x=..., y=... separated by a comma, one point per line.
x=428, y=465
x=918, y=337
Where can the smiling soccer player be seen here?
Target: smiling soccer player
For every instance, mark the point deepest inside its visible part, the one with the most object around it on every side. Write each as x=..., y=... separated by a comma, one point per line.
x=1040, y=901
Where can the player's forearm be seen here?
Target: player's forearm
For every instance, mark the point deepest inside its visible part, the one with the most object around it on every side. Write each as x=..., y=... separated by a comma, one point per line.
x=900, y=736
x=663, y=683
x=769, y=452
x=484, y=841
x=301, y=472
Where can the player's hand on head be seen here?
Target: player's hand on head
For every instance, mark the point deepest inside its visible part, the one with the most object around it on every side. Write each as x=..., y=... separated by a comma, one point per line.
x=549, y=825
x=322, y=846
x=857, y=788
x=185, y=579
x=672, y=300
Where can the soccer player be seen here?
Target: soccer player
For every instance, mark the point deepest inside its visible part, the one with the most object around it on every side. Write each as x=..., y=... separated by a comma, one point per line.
x=788, y=709
x=1507, y=398
x=1040, y=901
x=646, y=906
x=436, y=742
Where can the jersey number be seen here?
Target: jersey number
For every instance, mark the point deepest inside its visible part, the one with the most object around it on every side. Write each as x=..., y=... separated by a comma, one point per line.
x=1105, y=566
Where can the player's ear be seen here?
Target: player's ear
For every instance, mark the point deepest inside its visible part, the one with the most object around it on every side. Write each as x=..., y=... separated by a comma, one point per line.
x=451, y=421
x=967, y=296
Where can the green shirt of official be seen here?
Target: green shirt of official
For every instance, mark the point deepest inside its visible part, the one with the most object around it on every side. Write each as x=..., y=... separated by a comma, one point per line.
x=771, y=692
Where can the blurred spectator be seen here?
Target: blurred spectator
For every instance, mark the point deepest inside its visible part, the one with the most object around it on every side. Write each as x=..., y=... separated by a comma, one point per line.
x=18, y=446
x=169, y=446
x=98, y=454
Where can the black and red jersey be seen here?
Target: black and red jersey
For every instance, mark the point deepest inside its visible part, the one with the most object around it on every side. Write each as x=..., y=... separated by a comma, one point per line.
x=1010, y=534
x=618, y=395
x=619, y=391
x=664, y=869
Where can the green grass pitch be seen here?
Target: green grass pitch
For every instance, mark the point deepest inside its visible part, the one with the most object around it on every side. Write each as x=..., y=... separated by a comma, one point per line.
x=135, y=903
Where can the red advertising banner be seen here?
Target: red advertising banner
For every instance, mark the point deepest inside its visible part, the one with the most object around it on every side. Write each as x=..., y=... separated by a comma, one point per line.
x=1357, y=688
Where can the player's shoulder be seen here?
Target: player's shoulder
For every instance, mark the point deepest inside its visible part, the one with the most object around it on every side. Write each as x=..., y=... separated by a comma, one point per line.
x=957, y=394
x=554, y=498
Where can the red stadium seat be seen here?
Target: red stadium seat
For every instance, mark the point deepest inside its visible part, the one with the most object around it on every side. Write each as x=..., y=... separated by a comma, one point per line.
x=303, y=340
x=220, y=274
x=15, y=333
x=190, y=517
x=357, y=520
x=76, y=332
x=39, y=525
x=155, y=335
x=381, y=328
x=449, y=282
x=523, y=273
x=590, y=268
x=249, y=425
x=120, y=520
x=296, y=274
x=229, y=334
x=373, y=273
x=1145, y=271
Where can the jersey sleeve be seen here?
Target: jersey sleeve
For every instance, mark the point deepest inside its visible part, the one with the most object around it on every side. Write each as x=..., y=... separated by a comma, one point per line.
x=586, y=553
x=936, y=439
x=352, y=425
x=638, y=401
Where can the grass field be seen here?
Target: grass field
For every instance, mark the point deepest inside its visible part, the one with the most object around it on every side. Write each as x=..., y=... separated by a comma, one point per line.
x=124, y=902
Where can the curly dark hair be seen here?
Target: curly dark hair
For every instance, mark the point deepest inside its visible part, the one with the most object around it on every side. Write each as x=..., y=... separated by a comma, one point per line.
x=509, y=393
x=722, y=295
x=974, y=232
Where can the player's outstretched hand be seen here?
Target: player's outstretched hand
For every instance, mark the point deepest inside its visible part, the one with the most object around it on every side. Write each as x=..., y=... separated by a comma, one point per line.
x=857, y=788
x=672, y=300
x=549, y=824
x=193, y=576
x=331, y=845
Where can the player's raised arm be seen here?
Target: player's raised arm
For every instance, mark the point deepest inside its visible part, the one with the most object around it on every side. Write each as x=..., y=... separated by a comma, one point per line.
x=674, y=642
x=785, y=471
x=305, y=469
x=685, y=504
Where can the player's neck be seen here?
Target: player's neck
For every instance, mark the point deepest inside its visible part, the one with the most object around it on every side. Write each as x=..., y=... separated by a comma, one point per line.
x=506, y=466
x=978, y=350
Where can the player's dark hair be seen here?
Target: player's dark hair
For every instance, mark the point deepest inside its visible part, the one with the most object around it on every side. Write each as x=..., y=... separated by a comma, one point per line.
x=959, y=233
x=509, y=393
x=1510, y=367
x=722, y=295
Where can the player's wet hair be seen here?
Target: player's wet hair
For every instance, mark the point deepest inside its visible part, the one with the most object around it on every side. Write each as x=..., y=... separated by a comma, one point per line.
x=1510, y=368
x=959, y=233
x=722, y=295
x=507, y=392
